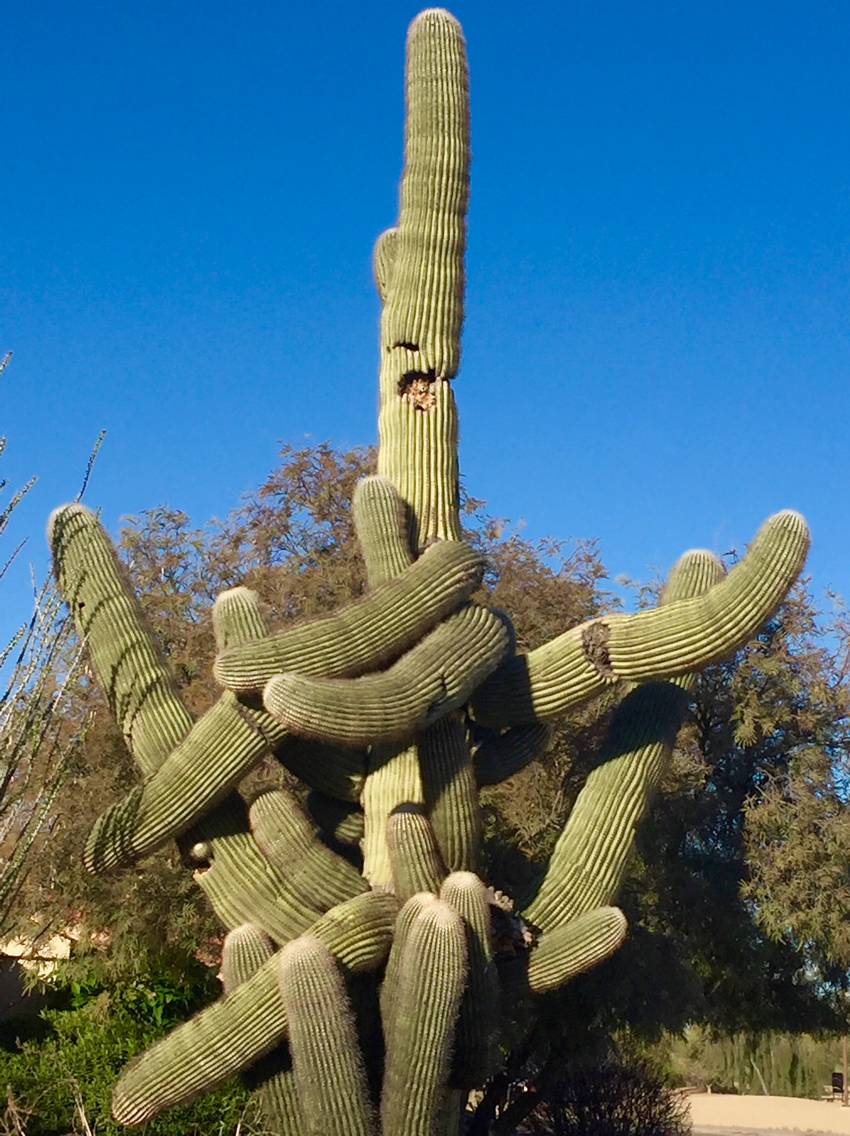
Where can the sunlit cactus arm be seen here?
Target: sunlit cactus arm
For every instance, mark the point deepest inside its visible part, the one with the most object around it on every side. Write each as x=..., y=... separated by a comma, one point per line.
x=270, y=1078
x=234, y=1032
x=137, y=684
x=328, y=1067
x=367, y=634
x=475, y=1053
x=591, y=855
x=431, y=980
x=315, y=876
x=436, y=676
x=417, y=865
x=660, y=643
x=419, y=270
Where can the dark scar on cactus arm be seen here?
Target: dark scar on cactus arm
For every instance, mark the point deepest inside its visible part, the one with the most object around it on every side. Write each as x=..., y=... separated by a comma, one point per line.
x=594, y=639
x=418, y=386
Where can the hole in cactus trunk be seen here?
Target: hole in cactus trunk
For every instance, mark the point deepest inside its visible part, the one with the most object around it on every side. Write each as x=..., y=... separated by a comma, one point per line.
x=418, y=387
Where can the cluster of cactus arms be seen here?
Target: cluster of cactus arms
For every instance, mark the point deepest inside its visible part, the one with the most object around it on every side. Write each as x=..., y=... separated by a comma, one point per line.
x=359, y=1001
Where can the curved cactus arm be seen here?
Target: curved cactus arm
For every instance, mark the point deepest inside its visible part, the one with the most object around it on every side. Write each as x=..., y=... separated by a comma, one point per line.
x=431, y=980
x=451, y=793
x=393, y=779
x=502, y=755
x=419, y=271
x=271, y=1079
x=661, y=643
x=573, y=948
x=416, y=861
x=218, y=751
x=234, y=1032
x=138, y=686
x=434, y=677
x=475, y=1049
x=367, y=634
x=326, y=1059
x=591, y=854
x=315, y=876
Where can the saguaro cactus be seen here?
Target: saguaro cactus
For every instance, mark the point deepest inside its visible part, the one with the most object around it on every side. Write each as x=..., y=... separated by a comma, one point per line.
x=371, y=707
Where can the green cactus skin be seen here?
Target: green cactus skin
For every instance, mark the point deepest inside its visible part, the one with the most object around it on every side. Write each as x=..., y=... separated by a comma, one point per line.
x=662, y=642
x=367, y=634
x=389, y=987
x=502, y=755
x=414, y=853
x=575, y=947
x=419, y=270
x=219, y=750
x=380, y=518
x=434, y=677
x=240, y=883
x=432, y=976
x=339, y=821
x=590, y=857
x=135, y=680
x=329, y=1073
x=271, y=1079
x=204, y=1052
x=451, y=793
x=237, y=618
x=315, y=876
x=393, y=779
x=334, y=770
x=234, y=1032
x=475, y=1051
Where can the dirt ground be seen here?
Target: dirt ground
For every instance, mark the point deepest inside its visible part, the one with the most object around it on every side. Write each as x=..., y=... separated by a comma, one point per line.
x=719, y=1114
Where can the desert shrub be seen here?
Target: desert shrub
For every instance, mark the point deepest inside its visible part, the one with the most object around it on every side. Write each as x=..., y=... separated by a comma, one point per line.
x=612, y=1097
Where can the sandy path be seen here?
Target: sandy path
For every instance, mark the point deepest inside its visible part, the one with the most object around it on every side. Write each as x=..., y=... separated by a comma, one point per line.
x=719, y=1114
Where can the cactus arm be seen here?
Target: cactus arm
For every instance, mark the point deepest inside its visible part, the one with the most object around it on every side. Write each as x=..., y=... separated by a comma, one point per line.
x=329, y=1075
x=475, y=1050
x=661, y=643
x=131, y=673
x=368, y=633
x=234, y=1032
x=271, y=1079
x=315, y=876
x=437, y=675
x=572, y=948
x=503, y=754
x=431, y=980
x=380, y=519
x=451, y=793
x=220, y=748
x=417, y=865
x=419, y=270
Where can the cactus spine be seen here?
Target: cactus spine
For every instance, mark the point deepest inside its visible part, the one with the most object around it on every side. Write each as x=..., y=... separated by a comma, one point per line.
x=373, y=708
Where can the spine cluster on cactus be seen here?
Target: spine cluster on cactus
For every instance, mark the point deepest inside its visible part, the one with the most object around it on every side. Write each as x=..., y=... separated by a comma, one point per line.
x=372, y=708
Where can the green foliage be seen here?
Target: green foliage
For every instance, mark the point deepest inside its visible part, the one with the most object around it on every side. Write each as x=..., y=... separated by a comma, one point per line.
x=796, y=1065
x=87, y=1043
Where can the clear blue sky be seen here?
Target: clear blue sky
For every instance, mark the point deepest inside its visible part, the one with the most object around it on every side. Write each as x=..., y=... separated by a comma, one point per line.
x=656, y=346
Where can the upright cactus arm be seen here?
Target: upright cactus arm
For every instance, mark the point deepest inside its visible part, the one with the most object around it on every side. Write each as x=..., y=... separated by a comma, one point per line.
x=271, y=1078
x=329, y=1073
x=419, y=270
x=660, y=643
